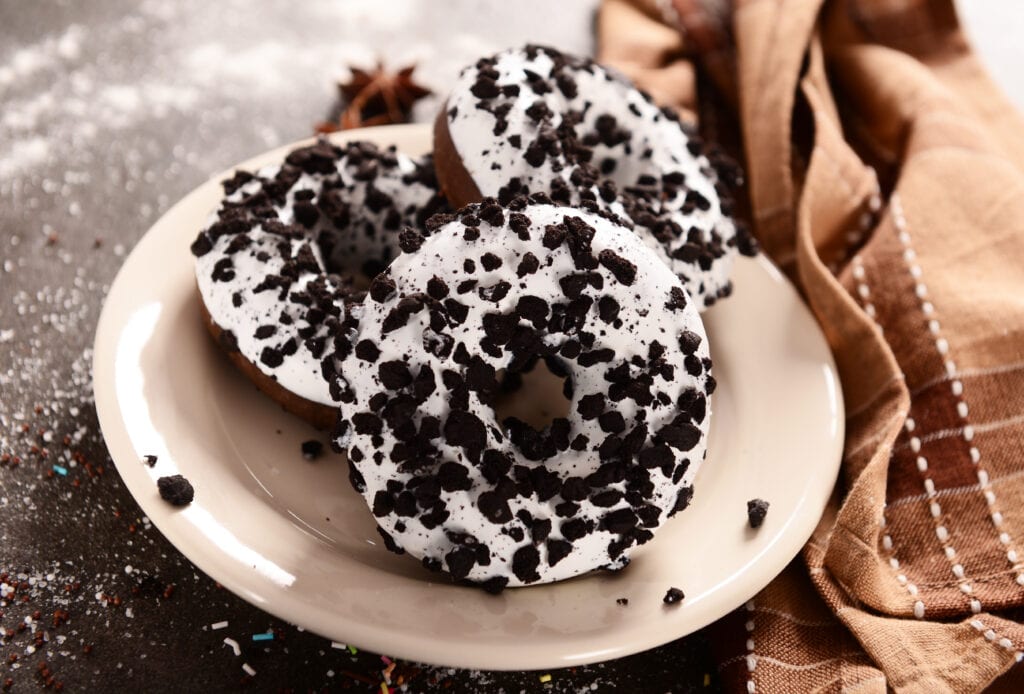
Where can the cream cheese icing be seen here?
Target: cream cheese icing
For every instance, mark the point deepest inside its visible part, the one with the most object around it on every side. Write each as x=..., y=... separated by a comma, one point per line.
x=491, y=290
x=533, y=120
x=274, y=262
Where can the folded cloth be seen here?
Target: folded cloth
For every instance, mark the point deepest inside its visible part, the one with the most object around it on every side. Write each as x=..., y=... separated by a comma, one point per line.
x=885, y=175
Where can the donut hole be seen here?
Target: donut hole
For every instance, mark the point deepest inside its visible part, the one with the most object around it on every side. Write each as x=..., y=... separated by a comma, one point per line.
x=343, y=257
x=534, y=397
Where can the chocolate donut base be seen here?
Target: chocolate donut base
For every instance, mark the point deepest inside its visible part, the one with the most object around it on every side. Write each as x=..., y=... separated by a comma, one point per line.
x=456, y=183
x=321, y=416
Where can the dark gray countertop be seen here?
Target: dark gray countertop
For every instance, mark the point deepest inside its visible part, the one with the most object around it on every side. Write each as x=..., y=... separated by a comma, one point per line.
x=110, y=112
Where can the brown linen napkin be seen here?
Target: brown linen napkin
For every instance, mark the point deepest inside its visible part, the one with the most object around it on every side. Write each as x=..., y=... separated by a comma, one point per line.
x=886, y=176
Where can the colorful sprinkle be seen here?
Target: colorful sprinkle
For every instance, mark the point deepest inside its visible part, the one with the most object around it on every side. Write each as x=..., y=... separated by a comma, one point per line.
x=268, y=636
x=248, y=669
x=337, y=644
x=60, y=470
x=233, y=645
x=219, y=625
x=545, y=678
x=353, y=650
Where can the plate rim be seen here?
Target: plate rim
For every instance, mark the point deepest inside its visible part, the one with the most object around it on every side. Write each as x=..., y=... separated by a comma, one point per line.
x=404, y=645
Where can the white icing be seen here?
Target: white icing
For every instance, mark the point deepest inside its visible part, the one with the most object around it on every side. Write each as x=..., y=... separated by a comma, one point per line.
x=300, y=373
x=644, y=319
x=492, y=161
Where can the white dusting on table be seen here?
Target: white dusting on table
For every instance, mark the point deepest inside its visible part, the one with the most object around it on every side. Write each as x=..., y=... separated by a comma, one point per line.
x=187, y=64
x=105, y=123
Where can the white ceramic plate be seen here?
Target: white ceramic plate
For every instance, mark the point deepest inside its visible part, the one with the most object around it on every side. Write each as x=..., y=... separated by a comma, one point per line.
x=293, y=538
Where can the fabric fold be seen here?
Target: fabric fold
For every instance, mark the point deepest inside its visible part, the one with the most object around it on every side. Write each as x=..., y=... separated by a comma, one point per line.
x=884, y=176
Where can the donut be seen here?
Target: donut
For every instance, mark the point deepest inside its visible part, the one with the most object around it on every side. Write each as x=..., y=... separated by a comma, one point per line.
x=533, y=120
x=278, y=263
x=490, y=290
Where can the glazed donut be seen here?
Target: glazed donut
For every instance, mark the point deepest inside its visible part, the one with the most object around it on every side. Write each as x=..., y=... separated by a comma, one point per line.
x=491, y=290
x=271, y=262
x=535, y=120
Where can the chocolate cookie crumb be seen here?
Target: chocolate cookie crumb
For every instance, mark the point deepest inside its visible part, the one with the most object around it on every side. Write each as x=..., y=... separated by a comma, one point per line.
x=495, y=585
x=757, y=509
x=150, y=460
x=673, y=596
x=312, y=449
x=176, y=489
x=622, y=601
x=425, y=428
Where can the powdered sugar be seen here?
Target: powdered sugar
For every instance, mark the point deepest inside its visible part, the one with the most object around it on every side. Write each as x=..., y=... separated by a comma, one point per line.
x=65, y=89
x=104, y=125
x=23, y=155
x=47, y=55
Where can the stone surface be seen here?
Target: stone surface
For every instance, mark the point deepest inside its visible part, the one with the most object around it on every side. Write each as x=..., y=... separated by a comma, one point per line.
x=112, y=111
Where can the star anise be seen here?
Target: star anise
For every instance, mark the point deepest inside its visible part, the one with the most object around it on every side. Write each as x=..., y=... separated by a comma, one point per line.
x=376, y=97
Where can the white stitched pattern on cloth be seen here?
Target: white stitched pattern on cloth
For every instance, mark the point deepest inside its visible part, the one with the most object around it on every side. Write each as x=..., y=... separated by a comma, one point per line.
x=789, y=666
x=962, y=410
x=968, y=430
x=864, y=291
x=992, y=637
x=854, y=237
x=811, y=666
x=864, y=295
x=969, y=373
x=751, y=656
x=955, y=491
